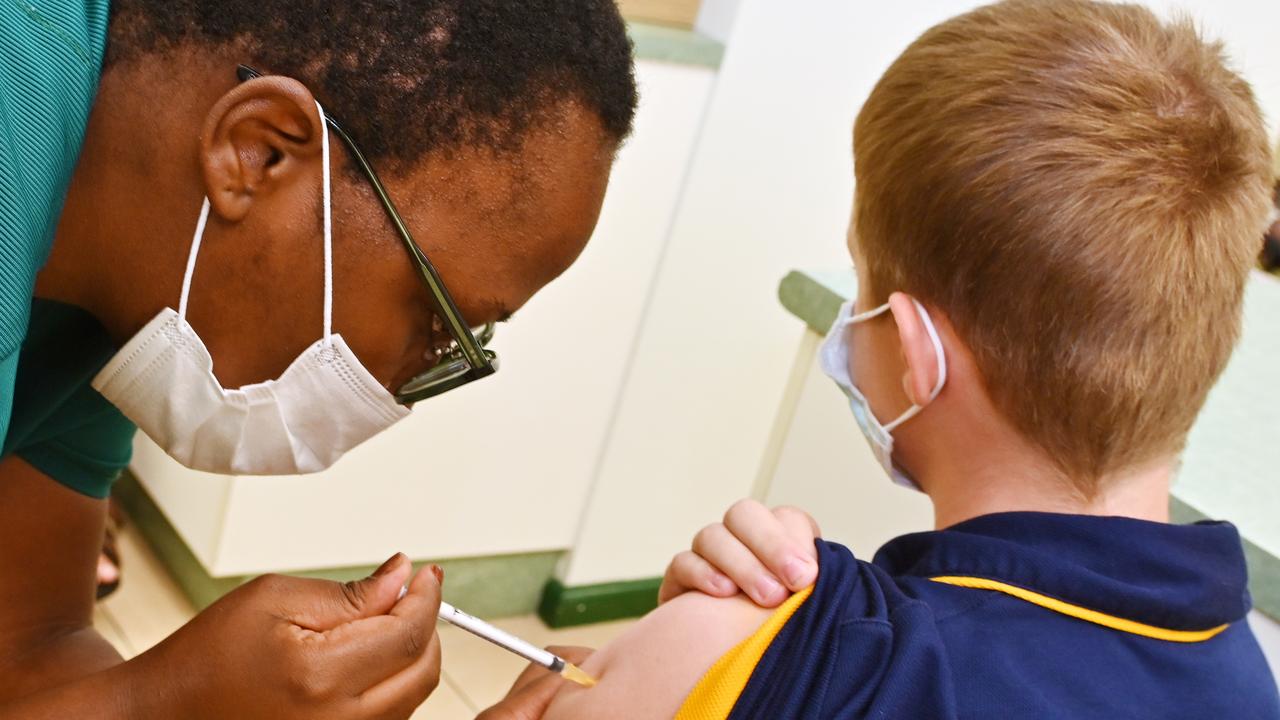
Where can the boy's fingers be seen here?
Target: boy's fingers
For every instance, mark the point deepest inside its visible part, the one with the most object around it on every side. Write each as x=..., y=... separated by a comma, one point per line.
x=689, y=571
x=721, y=548
x=803, y=530
x=773, y=544
x=799, y=524
x=399, y=695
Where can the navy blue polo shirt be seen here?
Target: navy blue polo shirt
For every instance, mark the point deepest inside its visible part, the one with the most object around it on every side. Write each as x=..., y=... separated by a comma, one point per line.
x=1023, y=615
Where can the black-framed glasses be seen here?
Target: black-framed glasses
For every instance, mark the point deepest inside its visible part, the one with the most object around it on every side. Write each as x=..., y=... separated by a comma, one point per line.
x=468, y=359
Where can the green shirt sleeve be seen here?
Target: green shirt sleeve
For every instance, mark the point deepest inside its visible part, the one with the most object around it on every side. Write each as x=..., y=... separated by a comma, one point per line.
x=8, y=374
x=60, y=424
x=50, y=61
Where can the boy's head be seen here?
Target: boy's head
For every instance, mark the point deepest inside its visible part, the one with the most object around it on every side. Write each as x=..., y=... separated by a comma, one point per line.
x=1077, y=189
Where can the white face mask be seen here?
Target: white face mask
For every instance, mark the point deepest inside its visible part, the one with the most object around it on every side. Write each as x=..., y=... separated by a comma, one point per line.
x=323, y=405
x=834, y=359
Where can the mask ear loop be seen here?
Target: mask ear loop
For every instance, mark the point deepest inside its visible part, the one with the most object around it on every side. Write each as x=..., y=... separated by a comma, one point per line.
x=191, y=260
x=937, y=348
x=328, y=240
x=863, y=316
x=328, y=229
x=942, y=366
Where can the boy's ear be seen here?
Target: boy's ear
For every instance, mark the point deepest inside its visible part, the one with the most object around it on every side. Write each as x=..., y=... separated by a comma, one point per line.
x=260, y=136
x=918, y=354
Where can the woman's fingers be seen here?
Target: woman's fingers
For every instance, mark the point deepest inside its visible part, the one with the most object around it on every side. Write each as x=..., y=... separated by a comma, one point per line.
x=528, y=702
x=375, y=649
x=537, y=673
x=399, y=695
x=533, y=691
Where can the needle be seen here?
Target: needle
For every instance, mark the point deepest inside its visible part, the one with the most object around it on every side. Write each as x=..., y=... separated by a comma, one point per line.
x=511, y=643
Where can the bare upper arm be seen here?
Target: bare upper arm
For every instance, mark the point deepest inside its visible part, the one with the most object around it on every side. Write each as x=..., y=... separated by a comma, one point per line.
x=649, y=670
x=50, y=537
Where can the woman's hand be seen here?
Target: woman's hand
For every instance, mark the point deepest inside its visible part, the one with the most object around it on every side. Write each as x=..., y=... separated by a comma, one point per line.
x=767, y=554
x=533, y=691
x=284, y=648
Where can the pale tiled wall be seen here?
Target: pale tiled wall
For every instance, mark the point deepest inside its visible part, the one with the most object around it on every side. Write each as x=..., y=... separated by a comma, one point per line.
x=768, y=190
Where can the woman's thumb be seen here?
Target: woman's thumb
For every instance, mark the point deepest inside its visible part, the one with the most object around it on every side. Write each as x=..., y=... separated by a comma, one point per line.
x=368, y=597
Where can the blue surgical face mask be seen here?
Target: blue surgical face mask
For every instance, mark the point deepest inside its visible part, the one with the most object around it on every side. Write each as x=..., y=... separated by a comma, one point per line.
x=834, y=355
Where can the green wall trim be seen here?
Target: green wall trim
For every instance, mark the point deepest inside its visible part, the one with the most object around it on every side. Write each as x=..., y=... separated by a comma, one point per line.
x=492, y=587
x=564, y=606
x=816, y=297
x=187, y=570
x=674, y=45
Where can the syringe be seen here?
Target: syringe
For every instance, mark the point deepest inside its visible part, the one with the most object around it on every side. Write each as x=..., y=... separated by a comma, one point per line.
x=524, y=649
x=511, y=643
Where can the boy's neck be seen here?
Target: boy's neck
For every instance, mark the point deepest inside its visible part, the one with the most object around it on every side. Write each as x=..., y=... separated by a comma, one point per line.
x=963, y=492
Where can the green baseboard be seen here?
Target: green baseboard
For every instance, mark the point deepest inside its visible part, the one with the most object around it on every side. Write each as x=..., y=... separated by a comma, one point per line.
x=489, y=587
x=564, y=606
x=185, y=568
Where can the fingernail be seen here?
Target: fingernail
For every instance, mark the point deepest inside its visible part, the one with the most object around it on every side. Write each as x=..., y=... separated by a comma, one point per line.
x=439, y=573
x=769, y=590
x=723, y=584
x=385, y=567
x=797, y=572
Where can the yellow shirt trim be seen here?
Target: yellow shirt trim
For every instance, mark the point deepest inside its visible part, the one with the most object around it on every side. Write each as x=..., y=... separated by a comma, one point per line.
x=717, y=692
x=1082, y=613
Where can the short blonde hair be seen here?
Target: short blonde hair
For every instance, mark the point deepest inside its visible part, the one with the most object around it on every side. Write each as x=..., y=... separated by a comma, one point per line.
x=1081, y=189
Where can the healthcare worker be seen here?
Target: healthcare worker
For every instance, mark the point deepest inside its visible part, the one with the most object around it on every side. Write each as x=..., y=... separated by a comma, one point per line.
x=221, y=221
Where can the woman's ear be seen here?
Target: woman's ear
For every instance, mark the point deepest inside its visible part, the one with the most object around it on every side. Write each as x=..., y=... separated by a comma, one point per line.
x=260, y=136
x=918, y=354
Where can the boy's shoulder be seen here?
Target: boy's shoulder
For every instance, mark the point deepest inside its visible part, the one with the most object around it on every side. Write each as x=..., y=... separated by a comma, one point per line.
x=1002, y=616
x=1024, y=615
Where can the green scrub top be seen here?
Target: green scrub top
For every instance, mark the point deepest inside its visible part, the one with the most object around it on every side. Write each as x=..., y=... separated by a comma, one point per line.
x=50, y=61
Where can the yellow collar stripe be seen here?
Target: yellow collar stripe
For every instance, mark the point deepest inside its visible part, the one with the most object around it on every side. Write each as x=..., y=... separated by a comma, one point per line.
x=1081, y=613
x=718, y=691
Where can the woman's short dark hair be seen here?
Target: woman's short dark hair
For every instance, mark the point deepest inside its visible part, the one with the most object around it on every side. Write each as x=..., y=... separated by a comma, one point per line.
x=411, y=77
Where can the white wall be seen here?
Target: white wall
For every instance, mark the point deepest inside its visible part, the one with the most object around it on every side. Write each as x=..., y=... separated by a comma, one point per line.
x=826, y=467
x=769, y=190
x=716, y=18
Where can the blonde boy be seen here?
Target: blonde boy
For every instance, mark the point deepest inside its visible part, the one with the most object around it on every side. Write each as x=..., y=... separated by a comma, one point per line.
x=1058, y=204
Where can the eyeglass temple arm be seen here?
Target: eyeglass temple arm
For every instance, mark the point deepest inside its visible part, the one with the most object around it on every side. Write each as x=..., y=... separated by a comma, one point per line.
x=457, y=327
